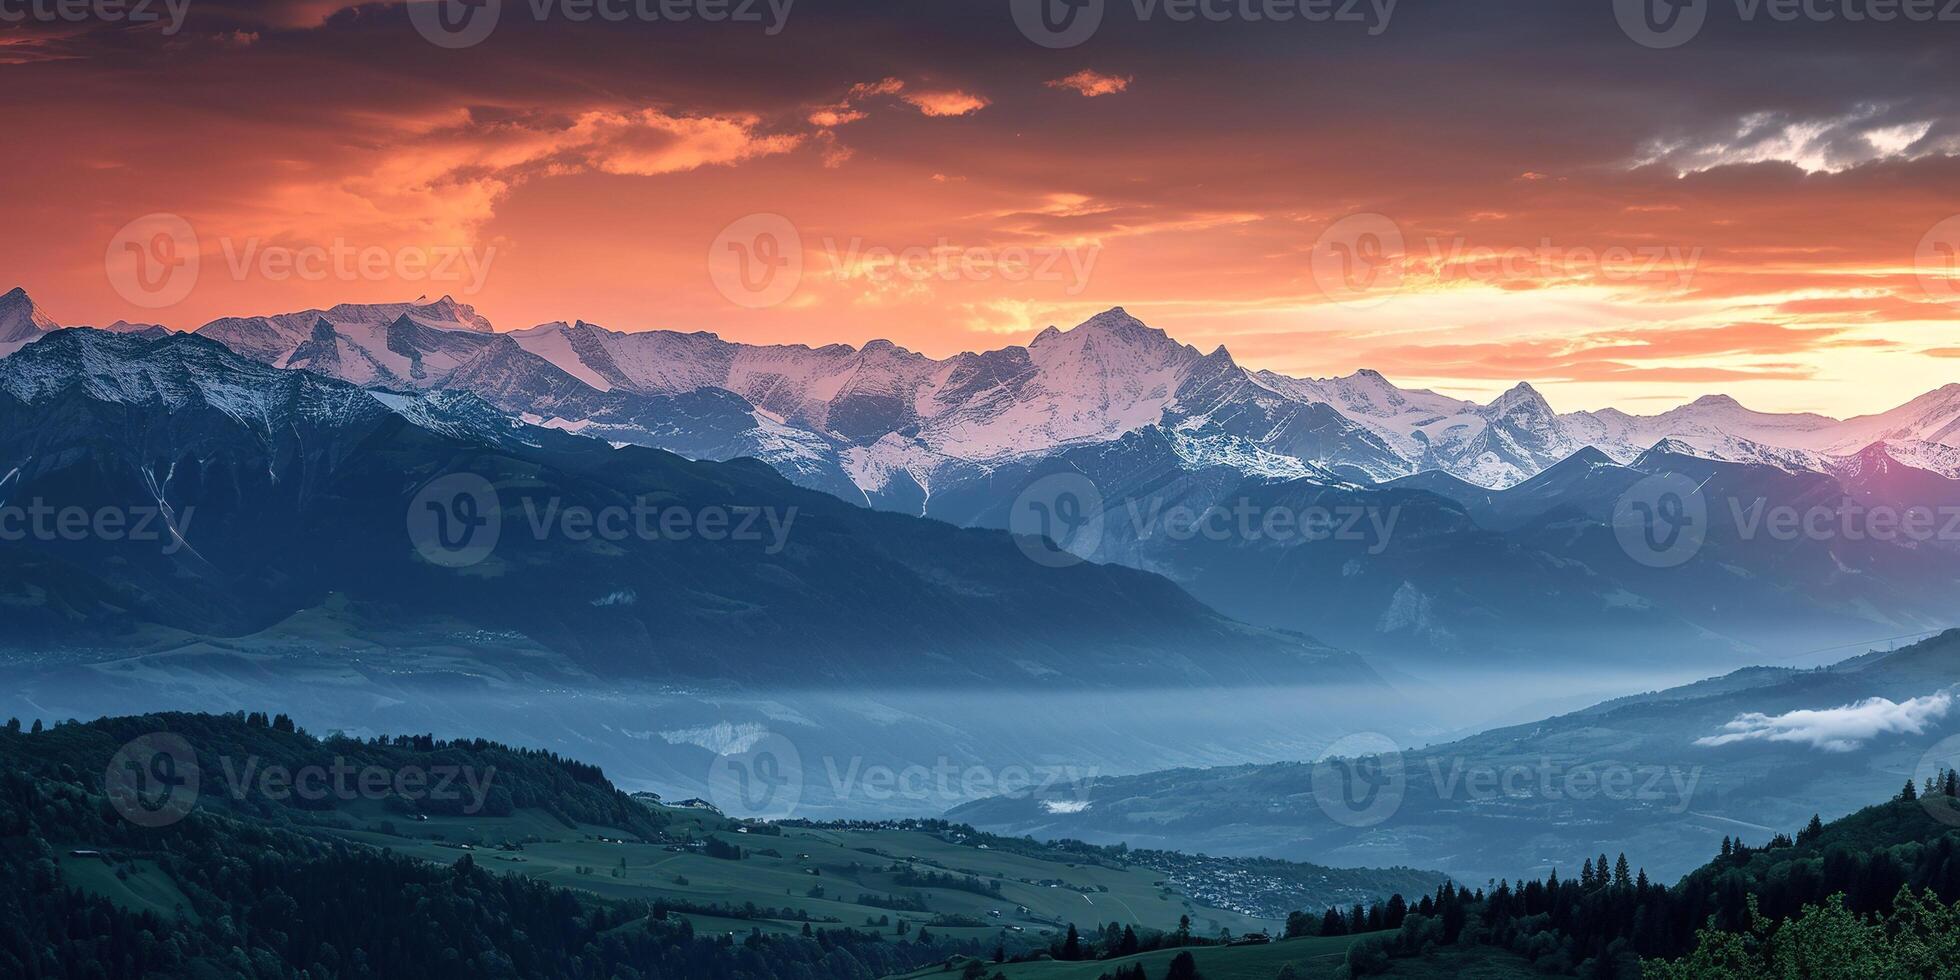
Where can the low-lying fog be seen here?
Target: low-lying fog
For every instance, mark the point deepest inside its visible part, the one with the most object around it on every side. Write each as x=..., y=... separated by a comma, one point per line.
x=842, y=754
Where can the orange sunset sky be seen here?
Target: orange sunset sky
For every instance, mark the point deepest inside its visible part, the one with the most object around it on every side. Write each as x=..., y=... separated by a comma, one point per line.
x=1782, y=190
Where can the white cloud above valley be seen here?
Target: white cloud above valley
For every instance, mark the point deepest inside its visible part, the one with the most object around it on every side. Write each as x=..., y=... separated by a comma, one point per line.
x=1841, y=729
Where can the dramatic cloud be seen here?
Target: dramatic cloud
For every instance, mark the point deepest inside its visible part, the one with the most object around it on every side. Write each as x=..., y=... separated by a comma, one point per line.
x=951, y=102
x=1841, y=729
x=1092, y=83
x=649, y=142
x=1827, y=144
x=1757, y=350
x=932, y=102
x=601, y=160
x=20, y=48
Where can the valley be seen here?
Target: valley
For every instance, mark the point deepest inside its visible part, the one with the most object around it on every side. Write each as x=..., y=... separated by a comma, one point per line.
x=1666, y=775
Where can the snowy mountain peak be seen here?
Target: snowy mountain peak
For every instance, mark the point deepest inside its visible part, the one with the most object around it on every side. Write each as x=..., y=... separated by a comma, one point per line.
x=124, y=326
x=20, y=319
x=441, y=314
x=1717, y=401
x=1114, y=322
x=1588, y=456
x=1670, y=446
x=1113, y=340
x=447, y=314
x=1875, y=459
x=1117, y=319
x=1521, y=398
x=1935, y=399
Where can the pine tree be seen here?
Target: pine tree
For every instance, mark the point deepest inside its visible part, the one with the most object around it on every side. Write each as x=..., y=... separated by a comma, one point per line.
x=1812, y=830
x=1332, y=924
x=1183, y=967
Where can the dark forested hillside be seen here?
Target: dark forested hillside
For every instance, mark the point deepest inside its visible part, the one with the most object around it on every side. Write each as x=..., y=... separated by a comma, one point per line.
x=255, y=881
x=1891, y=869
x=229, y=892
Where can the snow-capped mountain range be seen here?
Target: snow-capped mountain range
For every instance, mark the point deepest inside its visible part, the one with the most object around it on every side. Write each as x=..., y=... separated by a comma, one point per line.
x=1504, y=543
x=281, y=494
x=893, y=428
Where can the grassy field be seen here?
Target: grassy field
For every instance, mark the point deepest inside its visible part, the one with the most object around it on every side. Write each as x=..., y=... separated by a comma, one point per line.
x=144, y=887
x=833, y=878
x=824, y=873
x=1312, y=959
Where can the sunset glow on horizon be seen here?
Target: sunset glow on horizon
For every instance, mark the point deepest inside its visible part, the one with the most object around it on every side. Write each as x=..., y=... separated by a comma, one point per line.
x=1616, y=225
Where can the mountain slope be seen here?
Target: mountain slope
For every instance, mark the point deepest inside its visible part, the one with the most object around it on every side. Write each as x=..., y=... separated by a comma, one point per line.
x=1653, y=774
x=250, y=466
